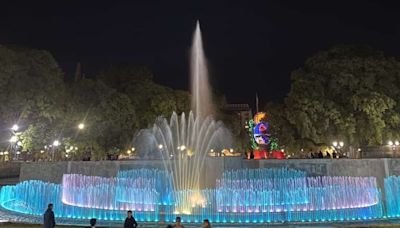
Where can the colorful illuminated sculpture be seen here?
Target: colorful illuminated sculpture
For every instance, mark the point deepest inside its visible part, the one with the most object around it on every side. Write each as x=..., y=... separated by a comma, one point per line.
x=261, y=133
x=262, y=144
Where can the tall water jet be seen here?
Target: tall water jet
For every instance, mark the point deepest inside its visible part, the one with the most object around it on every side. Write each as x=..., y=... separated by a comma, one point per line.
x=200, y=87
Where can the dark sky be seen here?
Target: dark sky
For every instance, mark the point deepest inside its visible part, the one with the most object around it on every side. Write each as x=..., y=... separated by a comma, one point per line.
x=252, y=46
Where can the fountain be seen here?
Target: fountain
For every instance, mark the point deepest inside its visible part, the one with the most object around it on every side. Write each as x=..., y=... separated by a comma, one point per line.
x=200, y=87
x=238, y=196
x=183, y=143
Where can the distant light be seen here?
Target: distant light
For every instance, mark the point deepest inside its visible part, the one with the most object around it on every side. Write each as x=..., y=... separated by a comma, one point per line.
x=13, y=139
x=283, y=150
x=133, y=149
x=76, y=148
x=160, y=146
x=396, y=143
x=42, y=151
x=71, y=148
x=6, y=152
x=15, y=127
x=1, y=153
x=183, y=147
x=390, y=143
x=341, y=144
x=231, y=150
x=212, y=150
x=335, y=144
x=56, y=143
x=45, y=146
x=81, y=126
x=18, y=152
x=19, y=143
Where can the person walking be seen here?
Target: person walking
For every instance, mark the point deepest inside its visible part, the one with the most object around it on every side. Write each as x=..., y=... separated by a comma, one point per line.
x=48, y=217
x=178, y=223
x=130, y=221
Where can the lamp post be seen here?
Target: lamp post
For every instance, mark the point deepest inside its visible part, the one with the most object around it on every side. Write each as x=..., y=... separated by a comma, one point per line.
x=56, y=143
x=13, y=140
x=394, y=145
x=338, y=145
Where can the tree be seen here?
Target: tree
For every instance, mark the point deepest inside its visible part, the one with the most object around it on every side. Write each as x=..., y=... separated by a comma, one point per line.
x=109, y=116
x=348, y=92
x=31, y=88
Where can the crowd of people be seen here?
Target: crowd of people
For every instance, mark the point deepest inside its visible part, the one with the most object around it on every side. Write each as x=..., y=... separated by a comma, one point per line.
x=130, y=222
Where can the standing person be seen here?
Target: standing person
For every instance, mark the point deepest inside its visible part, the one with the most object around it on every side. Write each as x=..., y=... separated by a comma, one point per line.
x=178, y=223
x=92, y=223
x=130, y=221
x=48, y=217
x=206, y=224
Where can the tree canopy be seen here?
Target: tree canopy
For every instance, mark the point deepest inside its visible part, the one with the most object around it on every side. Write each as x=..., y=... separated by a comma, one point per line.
x=113, y=105
x=349, y=93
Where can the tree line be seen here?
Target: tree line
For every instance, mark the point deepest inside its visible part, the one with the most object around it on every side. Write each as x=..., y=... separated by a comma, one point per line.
x=113, y=105
x=348, y=93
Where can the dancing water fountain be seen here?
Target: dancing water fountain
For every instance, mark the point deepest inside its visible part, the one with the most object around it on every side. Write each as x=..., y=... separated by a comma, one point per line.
x=178, y=188
x=183, y=142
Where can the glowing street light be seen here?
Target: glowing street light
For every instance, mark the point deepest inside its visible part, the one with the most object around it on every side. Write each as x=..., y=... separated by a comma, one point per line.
x=56, y=143
x=335, y=144
x=160, y=146
x=81, y=126
x=15, y=127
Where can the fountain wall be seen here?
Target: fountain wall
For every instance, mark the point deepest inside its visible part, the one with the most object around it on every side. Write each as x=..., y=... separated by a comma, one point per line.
x=214, y=167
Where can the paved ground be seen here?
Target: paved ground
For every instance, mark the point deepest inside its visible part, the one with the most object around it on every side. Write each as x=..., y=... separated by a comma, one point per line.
x=16, y=220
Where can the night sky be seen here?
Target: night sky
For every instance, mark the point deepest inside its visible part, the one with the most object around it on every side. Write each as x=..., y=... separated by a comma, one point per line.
x=252, y=46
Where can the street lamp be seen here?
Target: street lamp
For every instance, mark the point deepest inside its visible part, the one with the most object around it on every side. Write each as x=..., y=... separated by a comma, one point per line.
x=81, y=126
x=394, y=145
x=15, y=127
x=56, y=143
x=338, y=145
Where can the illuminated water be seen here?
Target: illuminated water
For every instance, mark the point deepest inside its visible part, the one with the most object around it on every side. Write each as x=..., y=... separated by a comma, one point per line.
x=240, y=196
x=392, y=195
x=183, y=143
x=200, y=88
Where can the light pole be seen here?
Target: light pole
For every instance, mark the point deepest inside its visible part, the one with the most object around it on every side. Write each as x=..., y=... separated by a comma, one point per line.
x=394, y=145
x=56, y=143
x=338, y=145
x=13, y=140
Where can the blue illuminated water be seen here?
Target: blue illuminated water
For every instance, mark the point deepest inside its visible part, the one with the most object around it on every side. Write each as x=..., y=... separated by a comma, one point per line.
x=240, y=196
